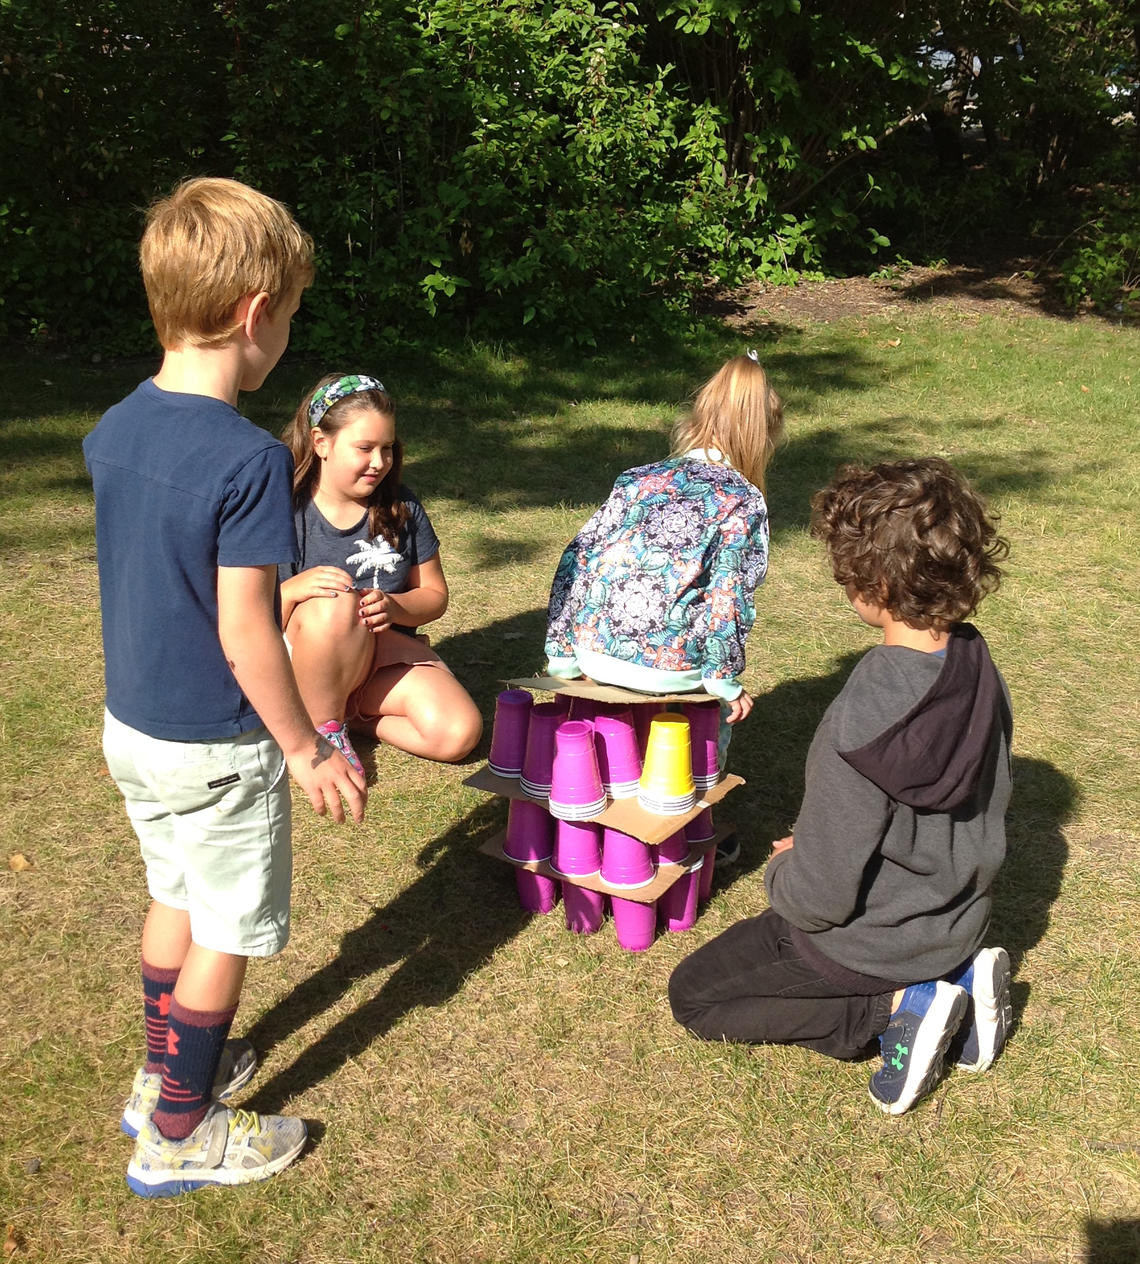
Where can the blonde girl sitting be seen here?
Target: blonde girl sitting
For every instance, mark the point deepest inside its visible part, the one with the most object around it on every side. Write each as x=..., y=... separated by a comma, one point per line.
x=368, y=577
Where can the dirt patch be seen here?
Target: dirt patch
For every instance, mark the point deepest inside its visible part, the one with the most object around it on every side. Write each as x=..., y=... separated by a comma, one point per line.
x=1011, y=287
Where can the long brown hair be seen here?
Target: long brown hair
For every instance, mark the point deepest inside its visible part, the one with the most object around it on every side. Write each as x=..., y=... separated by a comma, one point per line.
x=387, y=512
x=738, y=412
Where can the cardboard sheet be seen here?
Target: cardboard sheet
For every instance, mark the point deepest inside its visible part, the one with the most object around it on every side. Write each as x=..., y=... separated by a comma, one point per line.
x=664, y=879
x=626, y=815
x=586, y=688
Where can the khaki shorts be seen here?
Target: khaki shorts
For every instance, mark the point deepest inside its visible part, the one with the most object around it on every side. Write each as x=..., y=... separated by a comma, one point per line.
x=213, y=822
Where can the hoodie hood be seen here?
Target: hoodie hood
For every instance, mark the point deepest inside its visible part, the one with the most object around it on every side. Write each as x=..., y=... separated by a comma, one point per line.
x=931, y=758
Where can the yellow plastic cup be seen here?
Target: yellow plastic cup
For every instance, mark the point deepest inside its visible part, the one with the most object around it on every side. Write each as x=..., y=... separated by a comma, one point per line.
x=667, y=771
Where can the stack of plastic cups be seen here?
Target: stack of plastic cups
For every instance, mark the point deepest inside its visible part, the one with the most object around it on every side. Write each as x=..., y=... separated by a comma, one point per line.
x=627, y=863
x=666, y=787
x=674, y=850
x=704, y=729
x=677, y=907
x=578, y=853
x=576, y=792
x=530, y=836
x=508, y=736
x=538, y=762
x=619, y=760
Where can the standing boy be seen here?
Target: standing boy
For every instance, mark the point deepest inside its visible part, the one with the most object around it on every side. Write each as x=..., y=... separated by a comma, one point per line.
x=192, y=516
x=880, y=899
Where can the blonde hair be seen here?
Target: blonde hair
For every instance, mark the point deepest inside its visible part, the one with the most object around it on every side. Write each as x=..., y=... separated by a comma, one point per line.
x=738, y=412
x=387, y=511
x=207, y=246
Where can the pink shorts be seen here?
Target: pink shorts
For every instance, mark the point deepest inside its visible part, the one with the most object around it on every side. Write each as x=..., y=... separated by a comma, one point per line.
x=390, y=649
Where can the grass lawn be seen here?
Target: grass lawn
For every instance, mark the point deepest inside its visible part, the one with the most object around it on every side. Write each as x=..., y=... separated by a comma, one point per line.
x=483, y=1086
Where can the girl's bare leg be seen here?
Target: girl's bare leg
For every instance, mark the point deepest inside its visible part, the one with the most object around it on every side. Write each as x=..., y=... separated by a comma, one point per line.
x=422, y=710
x=332, y=654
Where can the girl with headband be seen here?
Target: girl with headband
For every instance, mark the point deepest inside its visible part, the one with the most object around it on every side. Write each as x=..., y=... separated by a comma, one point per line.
x=369, y=575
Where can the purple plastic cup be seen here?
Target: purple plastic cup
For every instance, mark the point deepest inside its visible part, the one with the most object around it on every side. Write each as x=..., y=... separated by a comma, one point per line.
x=626, y=861
x=704, y=729
x=582, y=708
x=677, y=907
x=584, y=909
x=538, y=761
x=700, y=829
x=508, y=737
x=707, y=876
x=537, y=893
x=619, y=758
x=673, y=849
x=634, y=923
x=577, y=848
x=562, y=702
x=530, y=832
x=576, y=792
x=643, y=714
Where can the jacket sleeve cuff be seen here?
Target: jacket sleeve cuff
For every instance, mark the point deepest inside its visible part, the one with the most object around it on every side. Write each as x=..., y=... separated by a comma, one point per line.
x=564, y=668
x=729, y=690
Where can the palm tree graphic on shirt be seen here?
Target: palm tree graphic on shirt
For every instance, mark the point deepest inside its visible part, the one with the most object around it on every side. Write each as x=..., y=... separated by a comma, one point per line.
x=373, y=557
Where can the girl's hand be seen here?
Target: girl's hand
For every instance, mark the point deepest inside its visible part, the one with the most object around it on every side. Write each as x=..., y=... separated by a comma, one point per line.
x=375, y=610
x=317, y=581
x=739, y=708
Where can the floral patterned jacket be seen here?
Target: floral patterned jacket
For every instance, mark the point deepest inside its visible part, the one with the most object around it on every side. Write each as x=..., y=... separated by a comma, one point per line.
x=663, y=574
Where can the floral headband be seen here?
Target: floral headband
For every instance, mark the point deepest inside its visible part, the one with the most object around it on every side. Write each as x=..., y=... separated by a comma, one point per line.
x=324, y=399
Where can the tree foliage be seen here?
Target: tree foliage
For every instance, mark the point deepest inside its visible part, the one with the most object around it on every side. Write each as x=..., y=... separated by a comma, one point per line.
x=582, y=166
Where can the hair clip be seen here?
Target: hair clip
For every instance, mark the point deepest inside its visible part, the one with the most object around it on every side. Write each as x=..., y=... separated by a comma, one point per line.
x=751, y=354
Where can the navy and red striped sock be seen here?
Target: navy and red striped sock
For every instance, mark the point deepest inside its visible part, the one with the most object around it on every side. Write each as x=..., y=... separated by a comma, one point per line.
x=194, y=1045
x=158, y=988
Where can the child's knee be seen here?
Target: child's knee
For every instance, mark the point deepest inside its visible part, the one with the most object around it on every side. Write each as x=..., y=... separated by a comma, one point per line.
x=459, y=734
x=321, y=618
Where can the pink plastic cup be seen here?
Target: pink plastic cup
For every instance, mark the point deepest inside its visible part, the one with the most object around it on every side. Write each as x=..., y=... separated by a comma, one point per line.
x=643, y=714
x=700, y=829
x=576, y=791
x=538, y=762
x=508, y=737
x=673, y=850
x=707, y=876
x=704, y=729
x=626, y=861
x=634, y=923
x=530, y=832
x=584, y=909
x=619, y=758
x=677, y=907
x=577, y=848
x=537, y=893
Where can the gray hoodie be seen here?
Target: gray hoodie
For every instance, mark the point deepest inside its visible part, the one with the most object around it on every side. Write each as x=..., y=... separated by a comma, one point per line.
x=902, y=826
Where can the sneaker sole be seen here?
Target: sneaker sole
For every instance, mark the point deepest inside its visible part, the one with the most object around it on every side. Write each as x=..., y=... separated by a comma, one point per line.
x=133, y=1120
x=929, y=1051
x=170, y=1183
x=993, y=1013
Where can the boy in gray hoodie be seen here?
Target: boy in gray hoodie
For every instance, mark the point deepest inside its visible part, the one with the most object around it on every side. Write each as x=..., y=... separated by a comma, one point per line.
x=880, y=898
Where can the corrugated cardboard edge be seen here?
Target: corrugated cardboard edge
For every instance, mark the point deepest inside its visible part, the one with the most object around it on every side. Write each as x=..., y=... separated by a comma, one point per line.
x=626, y=815
x=584, y=687
x=665, y=877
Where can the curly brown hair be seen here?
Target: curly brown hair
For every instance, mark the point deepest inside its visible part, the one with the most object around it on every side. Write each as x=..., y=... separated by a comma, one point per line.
x=912, y=537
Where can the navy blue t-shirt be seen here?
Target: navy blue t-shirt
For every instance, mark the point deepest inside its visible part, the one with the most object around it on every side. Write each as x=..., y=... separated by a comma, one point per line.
x=183, y=484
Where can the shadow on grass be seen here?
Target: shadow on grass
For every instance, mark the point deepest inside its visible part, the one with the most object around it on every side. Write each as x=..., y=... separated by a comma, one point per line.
x=1112, y=1241
x=436, y=932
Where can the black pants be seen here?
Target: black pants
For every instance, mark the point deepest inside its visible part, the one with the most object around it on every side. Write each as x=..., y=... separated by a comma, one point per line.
x=750, y=984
